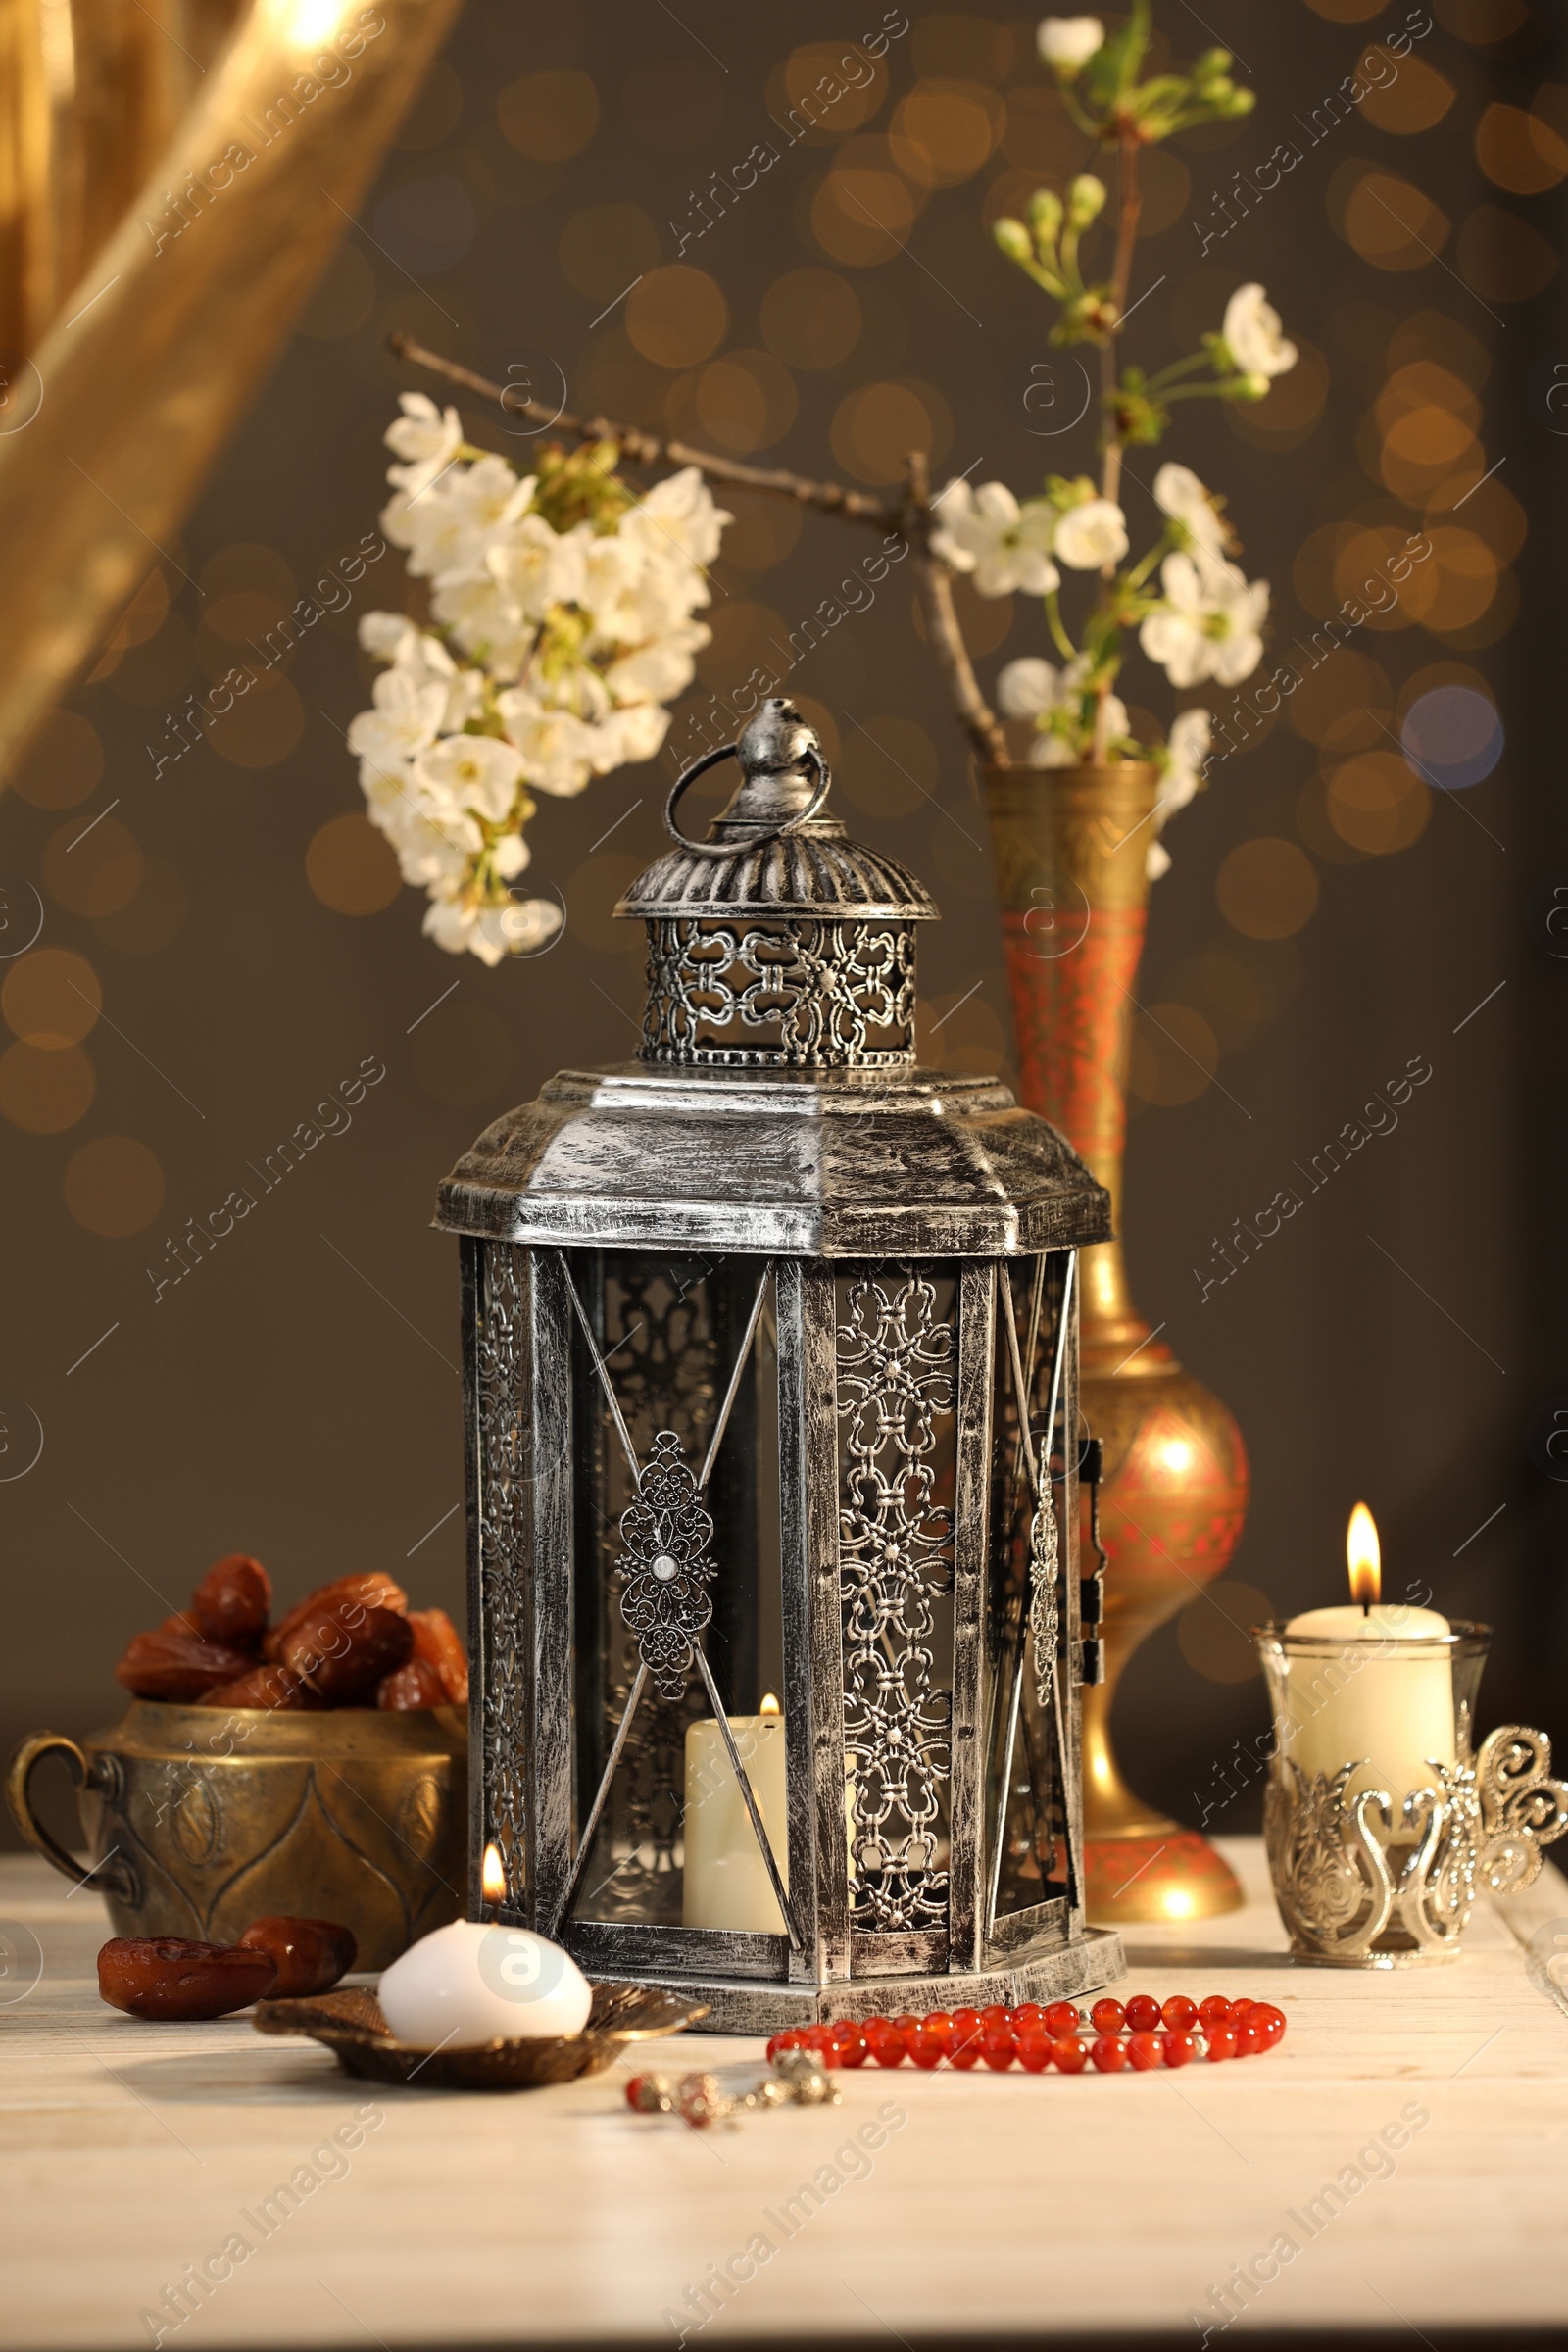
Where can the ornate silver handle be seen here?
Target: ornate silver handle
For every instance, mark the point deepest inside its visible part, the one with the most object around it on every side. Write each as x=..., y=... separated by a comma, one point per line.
x=728, y=849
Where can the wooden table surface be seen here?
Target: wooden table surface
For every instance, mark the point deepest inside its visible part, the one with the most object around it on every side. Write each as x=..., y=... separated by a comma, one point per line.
x=952, y=2206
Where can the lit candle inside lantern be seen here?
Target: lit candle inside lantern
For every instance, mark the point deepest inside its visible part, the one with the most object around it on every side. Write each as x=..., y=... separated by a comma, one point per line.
x=726, y=1883
x=492, y=1877
x=1383, y=1695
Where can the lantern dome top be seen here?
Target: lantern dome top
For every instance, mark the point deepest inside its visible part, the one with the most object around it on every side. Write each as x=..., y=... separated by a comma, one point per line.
x=775, y=1106
x=836, y=1163
x=773, y=854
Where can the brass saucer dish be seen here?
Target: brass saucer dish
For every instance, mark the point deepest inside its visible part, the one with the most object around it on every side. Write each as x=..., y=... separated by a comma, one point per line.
x=350, y=2023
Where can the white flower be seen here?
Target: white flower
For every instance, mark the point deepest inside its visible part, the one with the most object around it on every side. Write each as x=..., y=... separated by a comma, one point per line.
x=986, y=533
x=1192, y=737
x=1070, y=41
x=428, y=437
x=1027, y=689
x=1180, y=494
x=435, y=847
x=450, y=525
x=1065, y=750
x=1092, y=535
x=406, y=718
x=628, y=735
x=557, y=748
x=1054, y=699
x=484, y=621
x=613, y=566
x=385, y=634
x=659, y=670
x=476, y=772
x=425, y=661
x=679, y=514
x=1254, y=334
x=1212, y=623
x=536, y=566
x=491, y=933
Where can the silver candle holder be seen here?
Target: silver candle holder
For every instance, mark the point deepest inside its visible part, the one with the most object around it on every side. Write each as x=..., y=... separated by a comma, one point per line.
x=1364, y=1878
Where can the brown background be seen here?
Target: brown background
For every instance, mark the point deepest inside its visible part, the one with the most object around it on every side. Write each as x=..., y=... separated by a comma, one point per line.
x=296, y=1396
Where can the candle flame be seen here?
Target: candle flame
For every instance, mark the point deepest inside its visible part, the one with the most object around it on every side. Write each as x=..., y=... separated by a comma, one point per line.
x=769, y=1706
x=492, y=1877
x=1366, y=1558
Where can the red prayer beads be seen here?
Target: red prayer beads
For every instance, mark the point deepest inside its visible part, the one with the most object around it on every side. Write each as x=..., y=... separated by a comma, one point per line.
x=1111, y=2035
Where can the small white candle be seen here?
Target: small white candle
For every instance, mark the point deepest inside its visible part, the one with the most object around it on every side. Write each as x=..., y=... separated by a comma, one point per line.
x=1381, y=1696
x=726, y=1883
x=470, y=1984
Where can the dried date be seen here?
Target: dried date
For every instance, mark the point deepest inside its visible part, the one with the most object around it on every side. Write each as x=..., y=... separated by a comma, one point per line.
x=177, y=1666
x=341, y=1648
x=408, y=1687
x=372, y=1588
x=310, y=1954
x=232, y=1601
x=272, y=1689
x=437, y=1639
x=171, y=1977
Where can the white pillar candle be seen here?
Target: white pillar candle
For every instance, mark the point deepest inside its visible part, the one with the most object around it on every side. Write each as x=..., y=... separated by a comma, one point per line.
x=726, y=1883
x=1377, y=1693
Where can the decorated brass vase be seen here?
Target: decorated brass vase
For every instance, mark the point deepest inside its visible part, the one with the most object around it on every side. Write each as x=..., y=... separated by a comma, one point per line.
x=1071, y=846
x=199, y=1820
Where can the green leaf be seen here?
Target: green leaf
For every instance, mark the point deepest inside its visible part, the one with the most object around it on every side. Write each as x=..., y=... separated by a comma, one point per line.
x=1111, y=71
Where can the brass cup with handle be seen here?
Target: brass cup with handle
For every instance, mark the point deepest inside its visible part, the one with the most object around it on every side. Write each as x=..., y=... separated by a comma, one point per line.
x=198, y=1820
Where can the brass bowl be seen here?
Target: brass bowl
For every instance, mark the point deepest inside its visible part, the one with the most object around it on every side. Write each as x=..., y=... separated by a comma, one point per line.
x=200, y=1819
x=350, y=2023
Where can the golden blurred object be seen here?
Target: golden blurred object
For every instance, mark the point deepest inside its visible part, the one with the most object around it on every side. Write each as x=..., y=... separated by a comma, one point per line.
x=169, y=203
x=45, y=1089
x=1071, y=846
x=114, y=1187
x=199, y=1818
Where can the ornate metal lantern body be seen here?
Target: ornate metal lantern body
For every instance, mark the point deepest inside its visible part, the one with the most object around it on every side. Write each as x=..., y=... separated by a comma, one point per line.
x=772, y=1387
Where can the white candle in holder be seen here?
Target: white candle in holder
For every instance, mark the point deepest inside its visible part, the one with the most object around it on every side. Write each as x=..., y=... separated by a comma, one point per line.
x=726, y=1883
x=1379, y=1696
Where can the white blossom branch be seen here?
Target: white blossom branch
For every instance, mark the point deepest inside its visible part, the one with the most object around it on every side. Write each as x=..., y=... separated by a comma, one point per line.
x=911, y=518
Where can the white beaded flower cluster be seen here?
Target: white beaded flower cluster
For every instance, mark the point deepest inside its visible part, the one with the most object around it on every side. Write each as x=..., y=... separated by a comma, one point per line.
x=560, y=628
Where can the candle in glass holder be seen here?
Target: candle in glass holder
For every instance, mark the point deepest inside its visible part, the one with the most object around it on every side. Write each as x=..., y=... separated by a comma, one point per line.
x=1381, y=1697
x=726, y=1883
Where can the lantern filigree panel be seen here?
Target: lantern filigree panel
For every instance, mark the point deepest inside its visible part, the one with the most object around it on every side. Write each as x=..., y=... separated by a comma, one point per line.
x=501, y=1424
x=801, y=994
x=897, y=1382
x=1028, y=1612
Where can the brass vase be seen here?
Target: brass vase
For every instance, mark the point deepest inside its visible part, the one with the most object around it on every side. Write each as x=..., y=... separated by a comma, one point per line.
x=1071, y=848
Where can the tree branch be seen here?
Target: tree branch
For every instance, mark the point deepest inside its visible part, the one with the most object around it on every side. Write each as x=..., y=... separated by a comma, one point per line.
x=1131, y=205
x=646, y=449
x=911, y=518
x=934, y=583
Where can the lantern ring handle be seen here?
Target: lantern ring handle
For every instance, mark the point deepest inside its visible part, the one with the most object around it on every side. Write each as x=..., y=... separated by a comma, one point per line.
x=729, y=849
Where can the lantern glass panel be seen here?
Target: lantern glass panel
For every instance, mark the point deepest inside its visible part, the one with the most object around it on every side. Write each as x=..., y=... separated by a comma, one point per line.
x=669, y=1334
